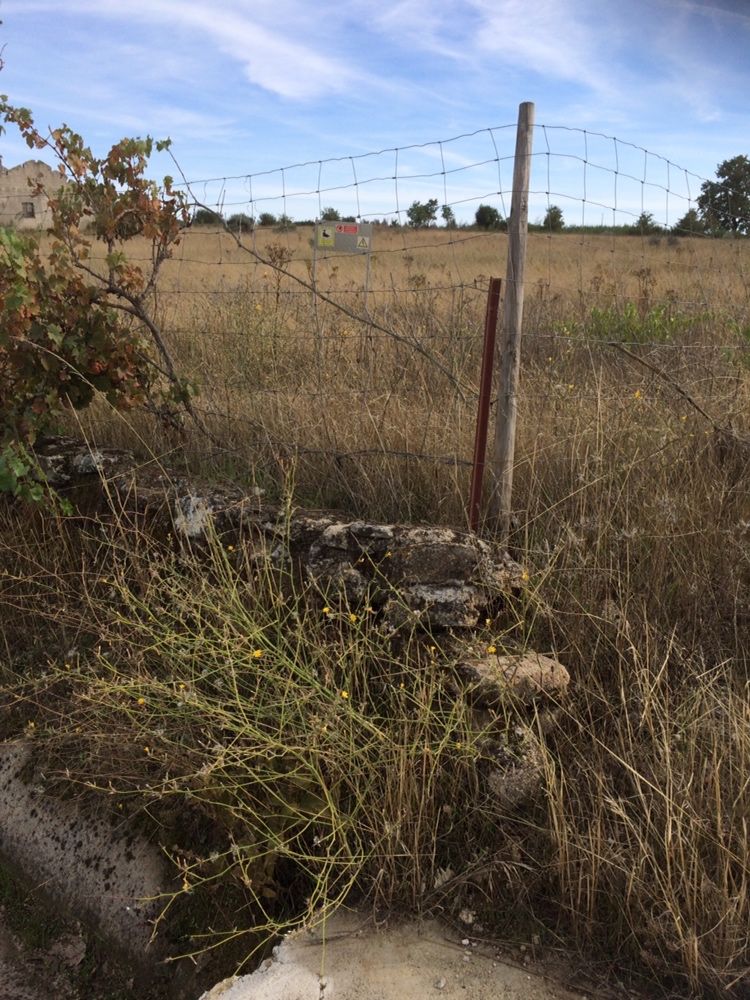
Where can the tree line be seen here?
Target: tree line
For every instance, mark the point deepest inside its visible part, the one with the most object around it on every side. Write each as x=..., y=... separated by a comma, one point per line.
x=241, y=222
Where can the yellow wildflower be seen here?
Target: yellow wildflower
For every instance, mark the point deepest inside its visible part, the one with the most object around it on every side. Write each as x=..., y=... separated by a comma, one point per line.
x=344, y=694
x=352, y=618
x=257, y=654
x=491, y=650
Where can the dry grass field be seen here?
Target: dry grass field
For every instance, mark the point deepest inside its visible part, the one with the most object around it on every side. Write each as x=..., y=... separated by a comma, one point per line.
x=293, y=387
x=632, y=514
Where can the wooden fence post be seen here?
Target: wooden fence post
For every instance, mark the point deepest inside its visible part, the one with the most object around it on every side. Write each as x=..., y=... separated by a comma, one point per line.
x=510, y=341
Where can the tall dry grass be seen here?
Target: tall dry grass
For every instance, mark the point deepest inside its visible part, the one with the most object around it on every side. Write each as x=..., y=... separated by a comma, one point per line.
x=631, y=512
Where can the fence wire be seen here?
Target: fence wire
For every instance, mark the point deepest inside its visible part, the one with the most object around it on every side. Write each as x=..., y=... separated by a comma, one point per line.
x=354, y=364
x=301, y=350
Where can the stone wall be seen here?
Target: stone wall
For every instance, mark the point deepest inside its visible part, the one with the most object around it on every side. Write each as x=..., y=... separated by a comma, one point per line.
x=445, y=580
x=19, y=206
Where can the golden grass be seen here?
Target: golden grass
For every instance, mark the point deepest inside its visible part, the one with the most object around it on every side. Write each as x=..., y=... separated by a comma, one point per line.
x=295, y=388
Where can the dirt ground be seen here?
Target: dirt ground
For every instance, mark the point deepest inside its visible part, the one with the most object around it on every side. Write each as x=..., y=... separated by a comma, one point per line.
x=14, y=983
x=22, y=974
x=56, y=966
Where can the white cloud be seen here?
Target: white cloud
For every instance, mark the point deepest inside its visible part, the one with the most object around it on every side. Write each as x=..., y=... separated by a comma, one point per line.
x=365, y=74
x=736, y=13
x=274, y=57
x=438, y=28
x=552, y=38
x=575, y=41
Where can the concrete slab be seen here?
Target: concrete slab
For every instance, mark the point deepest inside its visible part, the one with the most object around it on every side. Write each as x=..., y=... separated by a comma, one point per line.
x=77, y=857
x=346, y=960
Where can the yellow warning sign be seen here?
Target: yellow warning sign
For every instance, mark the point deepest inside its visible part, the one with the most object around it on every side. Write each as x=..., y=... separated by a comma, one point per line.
x=326, y=236
x=346, y=237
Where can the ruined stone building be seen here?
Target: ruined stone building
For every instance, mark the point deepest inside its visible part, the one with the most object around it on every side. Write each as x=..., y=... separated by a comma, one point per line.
x=19, y=206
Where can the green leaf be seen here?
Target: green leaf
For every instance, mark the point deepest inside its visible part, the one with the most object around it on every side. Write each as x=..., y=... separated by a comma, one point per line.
x=17, y=466
x=55, y=334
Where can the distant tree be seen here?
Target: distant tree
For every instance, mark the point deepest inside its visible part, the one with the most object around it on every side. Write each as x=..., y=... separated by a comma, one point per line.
x=488, y=217
x=691, y=222
x=266, y=219
x=646, y=225
x=422, y=213
x=553, y=220
x=284, y=223
x=240, y=223
x=449, y=217
x=206, y=217
x=725, y=203
x=330, y=215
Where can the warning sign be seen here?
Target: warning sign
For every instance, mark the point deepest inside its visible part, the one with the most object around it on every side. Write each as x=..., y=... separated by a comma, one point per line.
x=348, y=237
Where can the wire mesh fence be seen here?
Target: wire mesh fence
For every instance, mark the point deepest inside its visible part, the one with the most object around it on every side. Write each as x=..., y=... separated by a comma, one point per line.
x=364, y=366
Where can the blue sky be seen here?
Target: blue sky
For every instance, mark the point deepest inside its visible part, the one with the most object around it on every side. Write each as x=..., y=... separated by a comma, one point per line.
x=243, y=87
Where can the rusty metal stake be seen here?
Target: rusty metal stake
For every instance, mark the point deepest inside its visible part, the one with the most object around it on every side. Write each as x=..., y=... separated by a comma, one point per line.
x=483, y=409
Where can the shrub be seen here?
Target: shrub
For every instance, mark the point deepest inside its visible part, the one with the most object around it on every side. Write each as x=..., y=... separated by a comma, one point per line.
x=206, y=217
x=68, y=329
x=241, y=223
x=488, y=217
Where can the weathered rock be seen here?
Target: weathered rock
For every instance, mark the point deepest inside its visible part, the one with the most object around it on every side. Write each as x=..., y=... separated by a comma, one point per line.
x=439, y=576
x=66, y=462
x=528, y=677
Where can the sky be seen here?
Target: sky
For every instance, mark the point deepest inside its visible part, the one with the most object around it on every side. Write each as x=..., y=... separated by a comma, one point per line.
x=246, y=87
